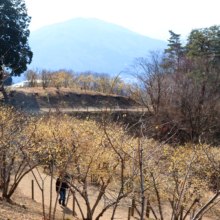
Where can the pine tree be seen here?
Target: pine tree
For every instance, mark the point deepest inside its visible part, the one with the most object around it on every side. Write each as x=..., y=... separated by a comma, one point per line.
x=203, y=48
x=15, y=52
x=205, y=44
x=175, y=49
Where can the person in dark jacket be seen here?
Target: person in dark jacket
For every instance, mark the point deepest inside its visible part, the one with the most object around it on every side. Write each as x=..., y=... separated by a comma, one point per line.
x=64, y=187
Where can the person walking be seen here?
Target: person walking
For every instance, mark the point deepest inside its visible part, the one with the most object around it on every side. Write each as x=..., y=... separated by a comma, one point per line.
x=63, y=188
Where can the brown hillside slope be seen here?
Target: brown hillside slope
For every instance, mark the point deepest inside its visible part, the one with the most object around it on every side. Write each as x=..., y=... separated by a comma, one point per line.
x=37, y=97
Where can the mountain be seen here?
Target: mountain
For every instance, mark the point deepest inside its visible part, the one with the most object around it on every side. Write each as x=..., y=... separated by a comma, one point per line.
x=84, y=44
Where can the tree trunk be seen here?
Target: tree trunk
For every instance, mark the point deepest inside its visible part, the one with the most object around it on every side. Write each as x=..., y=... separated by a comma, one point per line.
x=4, y=175
x=1, y=76
x=51, y=187
x=148, y=209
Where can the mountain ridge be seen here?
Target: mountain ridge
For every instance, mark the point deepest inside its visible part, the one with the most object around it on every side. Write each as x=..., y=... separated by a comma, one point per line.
x=83, y=44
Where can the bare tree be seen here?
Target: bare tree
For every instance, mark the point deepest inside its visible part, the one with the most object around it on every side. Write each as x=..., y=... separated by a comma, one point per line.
x=32, y=77
x=45, y=77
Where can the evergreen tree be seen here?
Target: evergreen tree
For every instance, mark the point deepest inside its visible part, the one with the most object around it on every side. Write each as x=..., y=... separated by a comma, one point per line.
x=203, y=47
x=204, y=42
x=15, y=52
x=175, y=49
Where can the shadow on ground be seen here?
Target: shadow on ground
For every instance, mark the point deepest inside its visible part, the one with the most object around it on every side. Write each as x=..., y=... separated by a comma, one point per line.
x=69, y=211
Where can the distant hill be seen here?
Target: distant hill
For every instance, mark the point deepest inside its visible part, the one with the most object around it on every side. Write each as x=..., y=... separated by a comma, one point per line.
x=84, y=44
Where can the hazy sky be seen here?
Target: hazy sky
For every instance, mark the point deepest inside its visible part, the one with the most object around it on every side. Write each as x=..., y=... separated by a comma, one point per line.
x=152, y=18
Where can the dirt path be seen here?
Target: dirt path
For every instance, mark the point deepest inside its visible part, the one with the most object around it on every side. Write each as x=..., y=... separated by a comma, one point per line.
x=88, y=109
x=121, y=212
x=25, y=188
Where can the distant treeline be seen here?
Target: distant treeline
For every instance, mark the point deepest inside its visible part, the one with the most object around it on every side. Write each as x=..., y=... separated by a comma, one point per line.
x=97, y=82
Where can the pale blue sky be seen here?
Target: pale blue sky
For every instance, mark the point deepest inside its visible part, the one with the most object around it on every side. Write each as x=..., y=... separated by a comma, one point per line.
x=152, y=18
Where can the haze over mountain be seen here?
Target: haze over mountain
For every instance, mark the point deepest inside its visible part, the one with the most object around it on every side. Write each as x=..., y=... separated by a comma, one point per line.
x=83, y=44
x=88, y=44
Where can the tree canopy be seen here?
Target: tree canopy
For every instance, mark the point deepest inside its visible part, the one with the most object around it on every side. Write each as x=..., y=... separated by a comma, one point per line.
x=15, y=52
